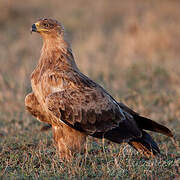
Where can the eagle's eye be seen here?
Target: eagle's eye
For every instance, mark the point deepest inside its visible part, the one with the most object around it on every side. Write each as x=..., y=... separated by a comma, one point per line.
x=45, y=24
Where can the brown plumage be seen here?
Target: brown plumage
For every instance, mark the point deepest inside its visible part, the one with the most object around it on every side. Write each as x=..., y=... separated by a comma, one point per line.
x=76, y=106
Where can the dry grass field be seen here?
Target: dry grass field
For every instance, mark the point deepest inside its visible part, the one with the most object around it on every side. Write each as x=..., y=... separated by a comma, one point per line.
x=132, y=48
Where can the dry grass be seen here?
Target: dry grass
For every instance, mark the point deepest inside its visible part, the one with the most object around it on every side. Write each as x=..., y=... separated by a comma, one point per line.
x=129, y=47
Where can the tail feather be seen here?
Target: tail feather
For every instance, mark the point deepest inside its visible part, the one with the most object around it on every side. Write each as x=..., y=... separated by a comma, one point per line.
x=145, y=145
x=148, y=124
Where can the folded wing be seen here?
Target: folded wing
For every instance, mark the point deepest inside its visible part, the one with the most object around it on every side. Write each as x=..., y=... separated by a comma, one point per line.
x=87, y=107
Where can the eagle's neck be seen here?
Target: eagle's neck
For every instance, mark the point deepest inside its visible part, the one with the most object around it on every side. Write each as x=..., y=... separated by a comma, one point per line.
x=56, y=50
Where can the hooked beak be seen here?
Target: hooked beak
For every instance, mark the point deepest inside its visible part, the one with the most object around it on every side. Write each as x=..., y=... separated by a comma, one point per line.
x=34, y=29
x=37, y=28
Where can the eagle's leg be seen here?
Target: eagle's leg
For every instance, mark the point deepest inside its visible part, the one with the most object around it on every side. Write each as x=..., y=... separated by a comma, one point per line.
x=68, y=141
x=33, y=106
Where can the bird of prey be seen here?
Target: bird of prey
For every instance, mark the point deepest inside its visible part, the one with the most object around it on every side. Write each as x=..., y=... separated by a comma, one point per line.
x=77, y=107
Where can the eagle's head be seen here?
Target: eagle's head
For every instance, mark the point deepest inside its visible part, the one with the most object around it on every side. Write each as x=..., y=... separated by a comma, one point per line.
x=47, y=26
x=53, y=35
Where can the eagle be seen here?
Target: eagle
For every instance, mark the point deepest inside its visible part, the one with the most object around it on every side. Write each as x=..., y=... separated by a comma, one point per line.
x=77, y=107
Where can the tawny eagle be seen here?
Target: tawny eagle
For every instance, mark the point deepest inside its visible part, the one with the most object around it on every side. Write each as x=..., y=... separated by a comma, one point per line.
x=76, y=106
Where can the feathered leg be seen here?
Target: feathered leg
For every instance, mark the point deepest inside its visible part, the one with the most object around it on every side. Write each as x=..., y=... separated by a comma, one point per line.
x=68, y=141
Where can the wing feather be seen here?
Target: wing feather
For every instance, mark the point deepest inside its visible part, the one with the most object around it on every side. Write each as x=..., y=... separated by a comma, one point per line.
x=85, y=103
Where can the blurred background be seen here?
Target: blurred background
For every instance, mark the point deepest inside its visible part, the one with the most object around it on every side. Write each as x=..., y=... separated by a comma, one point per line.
x=132, y=48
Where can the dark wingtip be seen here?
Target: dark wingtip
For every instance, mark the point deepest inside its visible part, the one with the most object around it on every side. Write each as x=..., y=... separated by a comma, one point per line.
x=164, y=130
x=170, y=134
x=148, y=124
